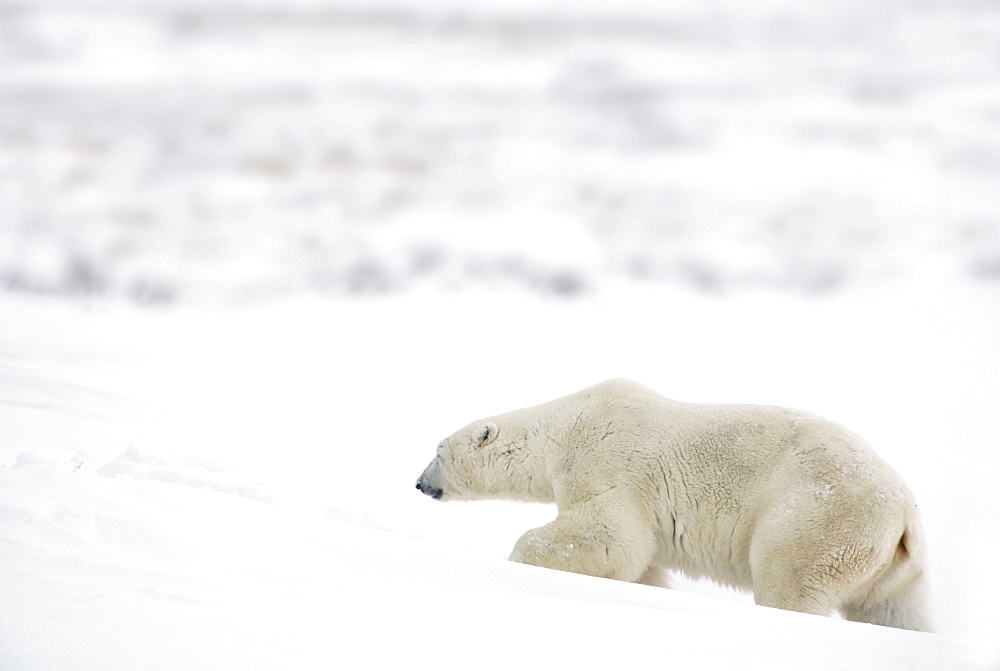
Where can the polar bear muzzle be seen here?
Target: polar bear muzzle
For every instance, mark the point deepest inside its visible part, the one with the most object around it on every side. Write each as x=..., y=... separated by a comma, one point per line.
x=429, y=481
x=430, y=490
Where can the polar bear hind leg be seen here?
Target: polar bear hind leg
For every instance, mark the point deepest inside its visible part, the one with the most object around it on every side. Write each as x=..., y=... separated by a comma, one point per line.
x=868, y=580
x=906, y=609
x=898, y=595
x=788, y=585
x=803, y=558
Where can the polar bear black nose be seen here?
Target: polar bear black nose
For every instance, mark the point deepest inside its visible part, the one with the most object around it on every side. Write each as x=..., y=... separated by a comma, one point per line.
x=433, y=492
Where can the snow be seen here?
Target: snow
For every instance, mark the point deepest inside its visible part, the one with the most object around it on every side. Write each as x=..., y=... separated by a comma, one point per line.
x=198, y=151
x=257, y=258
x=234, y=488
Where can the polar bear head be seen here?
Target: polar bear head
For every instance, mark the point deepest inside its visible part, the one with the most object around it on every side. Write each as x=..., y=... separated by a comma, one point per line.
x=467, y=465
x=489, y=459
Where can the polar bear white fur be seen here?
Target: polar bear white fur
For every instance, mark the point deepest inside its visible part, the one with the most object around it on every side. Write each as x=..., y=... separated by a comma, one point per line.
x=784, y=503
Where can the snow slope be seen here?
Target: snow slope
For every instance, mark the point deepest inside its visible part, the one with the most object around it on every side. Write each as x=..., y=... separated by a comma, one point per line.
x=233, y=489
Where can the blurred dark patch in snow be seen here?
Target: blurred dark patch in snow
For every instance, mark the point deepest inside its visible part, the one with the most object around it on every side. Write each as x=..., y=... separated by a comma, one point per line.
x=983, y=236
x=607, y=106
x=354, y=517
x=168, y=152
x=191, y=472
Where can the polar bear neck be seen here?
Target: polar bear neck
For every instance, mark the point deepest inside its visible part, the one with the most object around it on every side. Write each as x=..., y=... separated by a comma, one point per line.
x=534, y=443
x=542, y=442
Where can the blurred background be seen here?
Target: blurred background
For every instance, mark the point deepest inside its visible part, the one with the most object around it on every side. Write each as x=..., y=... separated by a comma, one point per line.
x=235, y=150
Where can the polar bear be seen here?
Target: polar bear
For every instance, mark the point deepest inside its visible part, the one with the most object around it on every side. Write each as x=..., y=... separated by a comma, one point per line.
x=778, y=501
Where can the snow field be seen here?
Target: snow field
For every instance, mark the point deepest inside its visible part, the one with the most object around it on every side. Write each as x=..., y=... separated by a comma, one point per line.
x=250, y=493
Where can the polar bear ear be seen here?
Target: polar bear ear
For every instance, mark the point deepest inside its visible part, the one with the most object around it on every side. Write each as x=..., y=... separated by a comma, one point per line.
x=486, y=434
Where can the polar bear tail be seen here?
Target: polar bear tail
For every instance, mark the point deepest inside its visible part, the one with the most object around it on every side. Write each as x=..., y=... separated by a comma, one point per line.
x=898, y=597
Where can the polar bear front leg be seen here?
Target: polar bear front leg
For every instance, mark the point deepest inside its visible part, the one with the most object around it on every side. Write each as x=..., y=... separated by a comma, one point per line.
x=655, y=576
x=586, y=542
